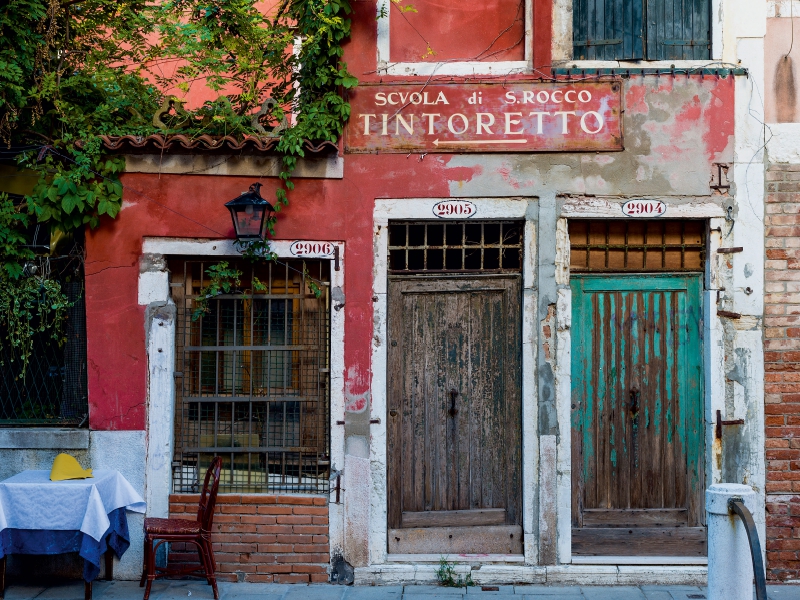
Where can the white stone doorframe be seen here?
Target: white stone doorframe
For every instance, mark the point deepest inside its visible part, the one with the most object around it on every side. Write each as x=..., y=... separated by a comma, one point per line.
x=154, y=293
x=418, y=209
x=713, y=348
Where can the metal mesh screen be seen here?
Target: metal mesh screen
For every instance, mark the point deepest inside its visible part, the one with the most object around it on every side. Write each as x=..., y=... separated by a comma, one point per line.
x=53, y=388
x=640, y=245
x=455, y=247
x=254, y=377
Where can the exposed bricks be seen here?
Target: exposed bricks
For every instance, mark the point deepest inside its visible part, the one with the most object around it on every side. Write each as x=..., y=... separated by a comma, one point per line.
x=263, y=539
x=782, y=366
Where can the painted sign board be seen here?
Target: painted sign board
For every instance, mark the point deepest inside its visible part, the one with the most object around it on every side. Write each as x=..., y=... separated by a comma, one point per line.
x=511, y=116
x=644, y=208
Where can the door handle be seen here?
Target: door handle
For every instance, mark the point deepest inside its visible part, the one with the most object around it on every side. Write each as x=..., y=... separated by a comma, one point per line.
x=453, y=409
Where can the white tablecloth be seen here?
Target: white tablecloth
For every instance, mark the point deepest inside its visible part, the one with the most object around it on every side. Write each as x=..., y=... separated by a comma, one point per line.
x=29, y=500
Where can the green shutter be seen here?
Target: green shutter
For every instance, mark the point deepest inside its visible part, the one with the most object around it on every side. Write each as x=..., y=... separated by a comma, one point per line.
x=678, y=29
x=607, y=29
x=641, y=29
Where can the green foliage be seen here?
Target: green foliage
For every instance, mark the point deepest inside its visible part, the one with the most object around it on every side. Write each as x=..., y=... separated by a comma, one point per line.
x=222, y=279
x=446, y=575
x=30, y=306
x=72, y=71
x=13, y=252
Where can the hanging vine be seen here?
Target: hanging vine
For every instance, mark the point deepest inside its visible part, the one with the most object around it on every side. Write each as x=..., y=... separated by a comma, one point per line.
x=72, y=71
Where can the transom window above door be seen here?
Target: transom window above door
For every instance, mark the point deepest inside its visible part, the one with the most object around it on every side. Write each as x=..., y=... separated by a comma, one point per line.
x=642, y=246
x=641, y=29
x=433, y=247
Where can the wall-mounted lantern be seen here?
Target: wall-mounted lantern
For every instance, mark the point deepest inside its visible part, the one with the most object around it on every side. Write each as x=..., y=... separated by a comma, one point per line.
x=250, y=214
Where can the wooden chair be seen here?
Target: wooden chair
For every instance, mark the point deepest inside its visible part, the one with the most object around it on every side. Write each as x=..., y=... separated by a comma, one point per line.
x=198, y=532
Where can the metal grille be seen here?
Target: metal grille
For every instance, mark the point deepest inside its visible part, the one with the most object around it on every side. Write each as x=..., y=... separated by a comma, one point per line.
x=254, y=379
x=642, y=246
x=457, y=247
x=53, y=389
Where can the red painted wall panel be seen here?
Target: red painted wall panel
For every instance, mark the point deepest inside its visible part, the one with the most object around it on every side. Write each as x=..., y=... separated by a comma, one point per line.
x=491, y=30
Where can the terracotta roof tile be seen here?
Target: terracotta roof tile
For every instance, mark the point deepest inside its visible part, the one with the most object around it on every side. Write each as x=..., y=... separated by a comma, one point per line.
x=183, y=144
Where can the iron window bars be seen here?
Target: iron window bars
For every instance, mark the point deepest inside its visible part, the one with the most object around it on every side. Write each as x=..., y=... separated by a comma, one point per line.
x=53, y=389
x=254, y=383
x=637, y=245
x=433, y=247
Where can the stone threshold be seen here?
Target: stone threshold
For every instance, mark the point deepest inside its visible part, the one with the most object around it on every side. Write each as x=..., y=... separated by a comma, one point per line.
x=507, y=574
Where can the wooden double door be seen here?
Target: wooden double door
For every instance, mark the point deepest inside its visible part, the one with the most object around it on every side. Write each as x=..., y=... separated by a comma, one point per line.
x=637, y=415
x=454, y=415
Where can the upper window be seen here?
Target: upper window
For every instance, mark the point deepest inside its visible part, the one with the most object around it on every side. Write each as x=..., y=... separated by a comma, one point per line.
x=435, y=31
x=641, y=29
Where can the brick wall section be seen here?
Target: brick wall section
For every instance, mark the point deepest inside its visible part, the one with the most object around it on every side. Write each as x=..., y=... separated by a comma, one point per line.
x=782, y=366
x=262, y=538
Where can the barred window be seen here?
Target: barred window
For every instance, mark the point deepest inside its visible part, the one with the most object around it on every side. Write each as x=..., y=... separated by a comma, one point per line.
x=52, y=389
x=253, y=381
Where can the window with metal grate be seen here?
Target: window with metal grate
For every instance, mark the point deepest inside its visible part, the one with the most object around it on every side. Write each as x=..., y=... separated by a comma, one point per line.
x=52, y=390
x=641, y=29
x=433, y=247
x=639, y=246
x=254, y=383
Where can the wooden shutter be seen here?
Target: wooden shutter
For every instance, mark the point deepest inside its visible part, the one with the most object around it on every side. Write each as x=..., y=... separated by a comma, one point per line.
x=641, y=29
x=607, y=29
x=678, y=29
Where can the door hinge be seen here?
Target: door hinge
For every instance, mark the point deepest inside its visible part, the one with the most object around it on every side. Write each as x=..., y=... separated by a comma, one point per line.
x=720, y=423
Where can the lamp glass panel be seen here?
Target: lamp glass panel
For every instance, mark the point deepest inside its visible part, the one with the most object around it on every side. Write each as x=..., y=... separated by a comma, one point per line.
x=248, y=220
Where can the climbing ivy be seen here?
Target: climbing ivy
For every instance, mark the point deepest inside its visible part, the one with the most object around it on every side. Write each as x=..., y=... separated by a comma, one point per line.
x=74, y=70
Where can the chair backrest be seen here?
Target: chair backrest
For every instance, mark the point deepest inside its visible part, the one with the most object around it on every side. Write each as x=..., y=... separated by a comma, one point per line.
x=208, y=499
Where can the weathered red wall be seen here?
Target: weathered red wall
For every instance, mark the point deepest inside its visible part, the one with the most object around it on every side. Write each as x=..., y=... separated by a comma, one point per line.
x=325, y=210
x=177, y=205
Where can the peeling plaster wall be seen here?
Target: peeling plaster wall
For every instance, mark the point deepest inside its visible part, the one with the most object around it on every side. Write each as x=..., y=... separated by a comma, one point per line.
x=676, y=128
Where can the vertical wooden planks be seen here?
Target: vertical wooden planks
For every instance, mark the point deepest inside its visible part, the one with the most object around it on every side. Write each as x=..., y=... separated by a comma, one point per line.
x=459, y=335
x=637, y=389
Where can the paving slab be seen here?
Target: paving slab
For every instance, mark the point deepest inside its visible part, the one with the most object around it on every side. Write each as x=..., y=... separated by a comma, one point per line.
x=438, y=590
x=487, y=589
x=315, y=591
x=432, y=596
x=239, y=591
x=656, y=593
x=72, y=590
x=23, y=592
x=783, y=592
x=688, y=594
x=572, y=594
x=387, y=592
x=546, y=590
x=596, y=592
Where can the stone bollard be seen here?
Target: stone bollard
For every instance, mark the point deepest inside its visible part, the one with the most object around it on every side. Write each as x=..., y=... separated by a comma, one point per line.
x=730, y=566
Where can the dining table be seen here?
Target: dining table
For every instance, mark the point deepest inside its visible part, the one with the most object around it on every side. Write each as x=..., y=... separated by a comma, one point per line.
x=87, y=516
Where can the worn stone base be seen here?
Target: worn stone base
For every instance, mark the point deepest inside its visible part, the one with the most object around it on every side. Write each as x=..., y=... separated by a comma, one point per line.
x=421, y=574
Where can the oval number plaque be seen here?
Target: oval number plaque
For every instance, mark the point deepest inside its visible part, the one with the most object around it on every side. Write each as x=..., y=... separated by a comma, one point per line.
x=644, y=208
x=312, y=249
x=454, y=209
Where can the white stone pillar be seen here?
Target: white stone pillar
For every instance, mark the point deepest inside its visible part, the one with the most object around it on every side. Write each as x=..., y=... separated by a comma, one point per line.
x=730, y=566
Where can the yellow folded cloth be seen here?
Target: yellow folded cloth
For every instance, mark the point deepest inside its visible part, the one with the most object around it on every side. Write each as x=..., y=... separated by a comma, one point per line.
x=67, y=467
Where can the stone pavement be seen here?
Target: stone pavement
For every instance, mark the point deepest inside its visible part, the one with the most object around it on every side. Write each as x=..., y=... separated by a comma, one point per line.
x=195, y=590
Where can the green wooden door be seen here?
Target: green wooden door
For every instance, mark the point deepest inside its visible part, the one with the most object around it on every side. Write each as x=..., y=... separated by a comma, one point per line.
x=637, y=415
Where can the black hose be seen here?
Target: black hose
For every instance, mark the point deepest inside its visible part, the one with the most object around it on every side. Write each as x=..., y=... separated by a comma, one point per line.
x=737, y=506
